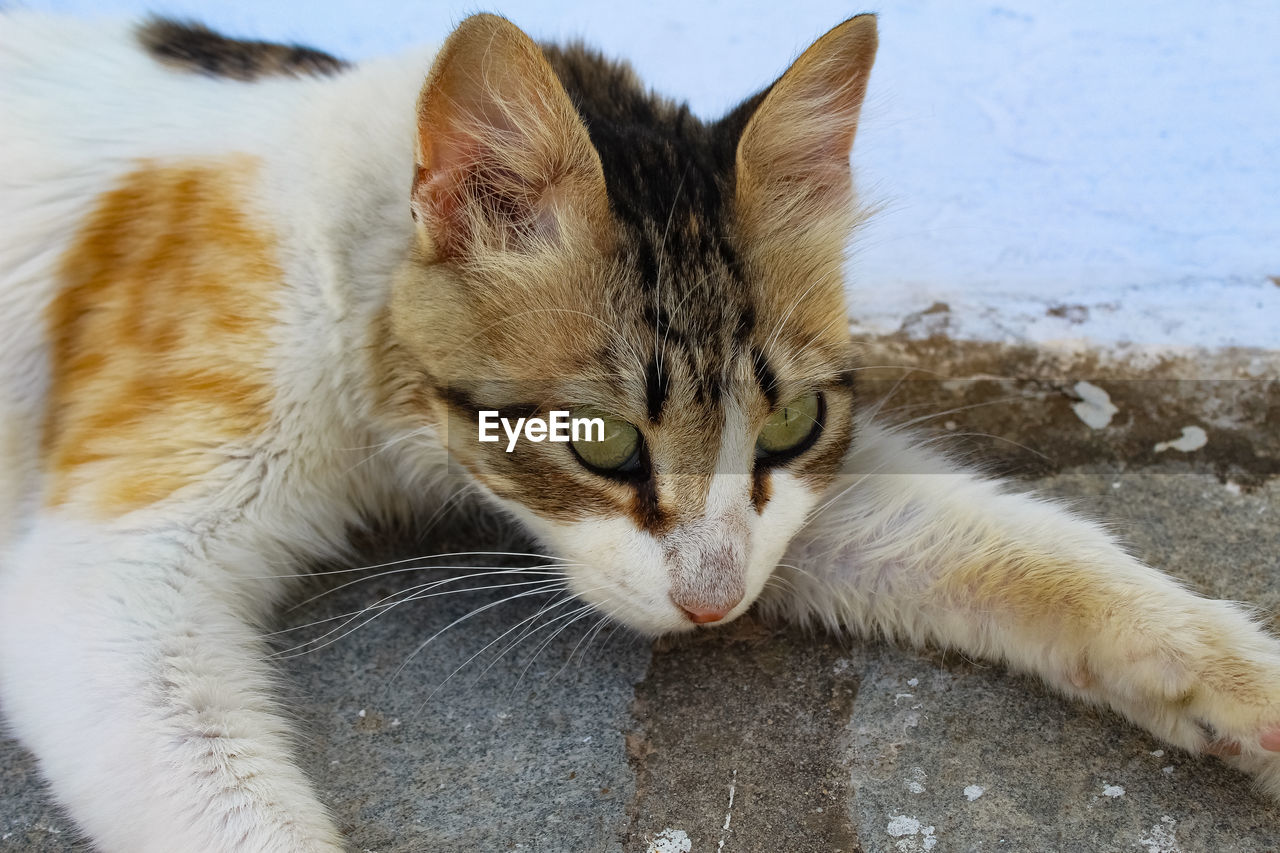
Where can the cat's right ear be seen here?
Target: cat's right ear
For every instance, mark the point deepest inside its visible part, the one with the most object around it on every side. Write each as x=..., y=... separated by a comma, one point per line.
x=504, y=162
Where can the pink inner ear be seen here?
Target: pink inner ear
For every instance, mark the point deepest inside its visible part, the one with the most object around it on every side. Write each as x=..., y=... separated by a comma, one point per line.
x=465, y=187
x=502, y=152
x=437, y=196
x=487, y=182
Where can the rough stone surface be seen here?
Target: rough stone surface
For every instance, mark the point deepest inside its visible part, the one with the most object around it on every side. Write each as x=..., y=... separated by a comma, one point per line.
x=452, y=754
x=608, y=744
x=751, y=710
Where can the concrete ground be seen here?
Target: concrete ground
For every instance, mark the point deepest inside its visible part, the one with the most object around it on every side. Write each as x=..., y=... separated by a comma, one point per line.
x=766, y=738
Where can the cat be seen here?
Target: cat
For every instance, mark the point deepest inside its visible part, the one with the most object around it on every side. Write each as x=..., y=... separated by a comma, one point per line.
x=227, y=264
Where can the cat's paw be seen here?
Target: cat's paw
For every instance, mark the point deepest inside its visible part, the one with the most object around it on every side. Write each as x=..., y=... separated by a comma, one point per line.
x=1205, y=678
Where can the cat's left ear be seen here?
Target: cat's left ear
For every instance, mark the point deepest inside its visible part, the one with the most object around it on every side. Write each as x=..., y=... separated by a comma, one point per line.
x=793, y=155
x=504, y=162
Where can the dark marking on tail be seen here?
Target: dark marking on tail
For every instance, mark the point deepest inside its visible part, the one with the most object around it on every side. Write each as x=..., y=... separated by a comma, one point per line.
x=193, y=47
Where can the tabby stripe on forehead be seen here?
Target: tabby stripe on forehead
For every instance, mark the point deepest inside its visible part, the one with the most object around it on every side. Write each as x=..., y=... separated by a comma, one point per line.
x=655, y=389
x=710, y=390
x=746, y=325
x=647, y=261
x=765, y=376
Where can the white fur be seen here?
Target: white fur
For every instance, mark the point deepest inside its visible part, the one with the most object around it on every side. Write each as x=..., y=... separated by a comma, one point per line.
x=903, y=521
x=127, y=658
x=128, y=663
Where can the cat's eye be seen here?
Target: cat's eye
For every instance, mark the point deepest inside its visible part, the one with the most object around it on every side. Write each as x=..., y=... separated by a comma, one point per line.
x=612, y=447
x=792, y=428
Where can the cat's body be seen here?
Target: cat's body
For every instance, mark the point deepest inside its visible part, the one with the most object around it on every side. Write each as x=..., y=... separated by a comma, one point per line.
x=309, y=337
x=238, y=319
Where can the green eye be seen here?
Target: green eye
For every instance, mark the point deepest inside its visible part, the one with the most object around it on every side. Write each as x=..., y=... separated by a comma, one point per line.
x=789, y=430
x=613, y=449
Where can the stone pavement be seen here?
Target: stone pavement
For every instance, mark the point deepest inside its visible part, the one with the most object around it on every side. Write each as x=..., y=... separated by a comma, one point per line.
x=763, y=738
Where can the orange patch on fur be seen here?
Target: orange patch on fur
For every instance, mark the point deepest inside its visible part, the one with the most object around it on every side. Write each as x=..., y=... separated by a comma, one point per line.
x=1029, y=586
x=159, y=338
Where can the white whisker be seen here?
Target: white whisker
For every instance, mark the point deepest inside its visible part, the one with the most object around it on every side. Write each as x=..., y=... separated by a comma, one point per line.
x=449, y=555
x=591, y=632
x=384, y=602
x=545, y=609
x=580, y=613
x=471, y=614
x=415, y=594
x=389, y=572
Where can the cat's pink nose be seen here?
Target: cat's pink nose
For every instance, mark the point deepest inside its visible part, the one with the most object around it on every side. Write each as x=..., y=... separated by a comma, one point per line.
x=704, y=615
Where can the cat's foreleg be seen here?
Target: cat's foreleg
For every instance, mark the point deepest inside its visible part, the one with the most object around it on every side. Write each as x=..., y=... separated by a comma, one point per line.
x=128, y=665
x=911, y=547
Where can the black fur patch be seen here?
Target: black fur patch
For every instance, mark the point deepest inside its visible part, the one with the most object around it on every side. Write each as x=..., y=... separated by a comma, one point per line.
x=765, y=377
x=655, y=390
x=670, y=181
x=195, y=48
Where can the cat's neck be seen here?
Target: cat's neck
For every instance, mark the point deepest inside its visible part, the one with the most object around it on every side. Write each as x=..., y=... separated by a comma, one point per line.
x=343, y=173
x=339, y=185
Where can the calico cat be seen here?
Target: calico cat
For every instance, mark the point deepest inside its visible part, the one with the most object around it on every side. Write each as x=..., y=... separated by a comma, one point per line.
x=229, y=266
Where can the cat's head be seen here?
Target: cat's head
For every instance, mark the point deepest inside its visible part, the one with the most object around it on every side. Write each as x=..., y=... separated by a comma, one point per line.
x=585, y=246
